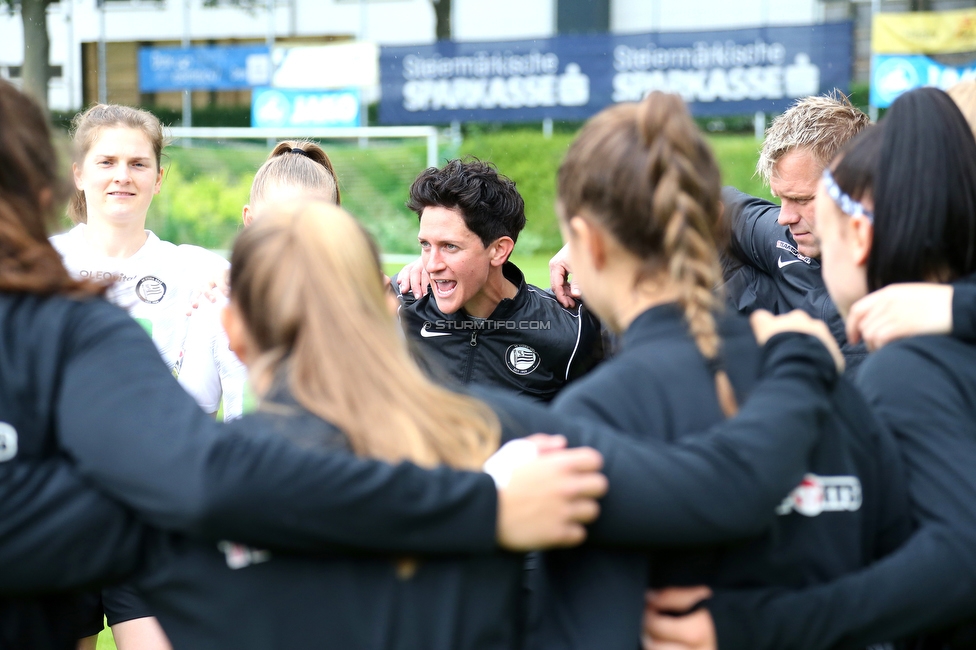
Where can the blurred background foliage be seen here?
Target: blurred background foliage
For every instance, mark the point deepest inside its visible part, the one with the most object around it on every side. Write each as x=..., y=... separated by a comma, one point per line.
x=205, y=186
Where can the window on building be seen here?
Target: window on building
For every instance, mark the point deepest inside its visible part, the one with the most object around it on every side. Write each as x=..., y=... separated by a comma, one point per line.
x=582, y=16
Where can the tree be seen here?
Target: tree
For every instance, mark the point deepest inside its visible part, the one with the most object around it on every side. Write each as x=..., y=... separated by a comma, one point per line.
x=36, y=71
x=442, y=11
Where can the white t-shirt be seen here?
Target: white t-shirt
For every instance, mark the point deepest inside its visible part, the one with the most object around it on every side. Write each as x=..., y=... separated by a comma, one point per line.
x=155, y=286
x=210, y=362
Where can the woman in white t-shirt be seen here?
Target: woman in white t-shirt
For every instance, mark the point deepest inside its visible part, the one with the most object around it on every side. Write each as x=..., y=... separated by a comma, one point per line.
x=117, y=172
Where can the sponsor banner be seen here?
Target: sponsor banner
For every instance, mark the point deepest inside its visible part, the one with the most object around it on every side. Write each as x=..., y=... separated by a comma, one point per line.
x=278, y=107
x=234, y=67
x=924, y=32
x=572, y=77
x=893, y=75
x=346, y=65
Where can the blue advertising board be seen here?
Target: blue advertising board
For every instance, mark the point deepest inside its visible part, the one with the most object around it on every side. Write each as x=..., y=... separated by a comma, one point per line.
x=572, y=77
x=235, y=67
x=891, y=75
x=277, y=107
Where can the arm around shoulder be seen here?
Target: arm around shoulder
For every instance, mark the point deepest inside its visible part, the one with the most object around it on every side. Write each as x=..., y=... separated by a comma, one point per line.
x=724, y=485
x=137, y=435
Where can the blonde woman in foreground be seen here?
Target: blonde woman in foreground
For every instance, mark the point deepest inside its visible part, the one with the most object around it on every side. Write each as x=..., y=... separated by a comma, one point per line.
x=309, y=316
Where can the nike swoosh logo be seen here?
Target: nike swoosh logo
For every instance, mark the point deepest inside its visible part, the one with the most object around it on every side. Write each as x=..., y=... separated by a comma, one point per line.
x=781, y=263
x=427, y=334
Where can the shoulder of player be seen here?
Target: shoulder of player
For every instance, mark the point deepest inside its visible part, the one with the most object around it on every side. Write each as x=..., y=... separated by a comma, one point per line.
x=424, y=308
x=285, y=416
x=201, y=257
x=733, y=197
x=90, y=322
x=615, y=378
x=544, y=299
x=63, y=242
x=850, y=406
x=733, y=324
x=618, y=393
x=916, y=351
x=905, y=369
x=60, y=240
x=57, y=310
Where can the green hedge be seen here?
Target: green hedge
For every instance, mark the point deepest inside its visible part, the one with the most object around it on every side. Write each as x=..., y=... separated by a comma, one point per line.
x=199, y=209
x=206, y=116
x=205, y=187
x=531, y=161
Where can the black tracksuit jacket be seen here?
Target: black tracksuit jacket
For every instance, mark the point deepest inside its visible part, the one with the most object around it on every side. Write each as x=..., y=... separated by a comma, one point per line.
x=924, y=388
x=530, y=344
x=849, y=510
x=88, y=409
x=764, y=269
x=107, y=416
x=214, y=595
x=349, y=599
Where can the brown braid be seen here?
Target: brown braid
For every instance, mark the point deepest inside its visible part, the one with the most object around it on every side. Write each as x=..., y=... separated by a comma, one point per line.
x=632, y=156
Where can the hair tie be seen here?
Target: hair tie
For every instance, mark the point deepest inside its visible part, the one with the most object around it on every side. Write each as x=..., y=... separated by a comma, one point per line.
x=300, y=152
x=715, y=365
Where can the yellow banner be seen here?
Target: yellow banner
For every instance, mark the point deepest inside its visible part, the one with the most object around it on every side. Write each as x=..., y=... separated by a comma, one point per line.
x=924, y=32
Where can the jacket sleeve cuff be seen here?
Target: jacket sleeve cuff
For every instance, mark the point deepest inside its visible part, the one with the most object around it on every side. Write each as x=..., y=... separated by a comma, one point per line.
x=964, y=310
x=733, y=628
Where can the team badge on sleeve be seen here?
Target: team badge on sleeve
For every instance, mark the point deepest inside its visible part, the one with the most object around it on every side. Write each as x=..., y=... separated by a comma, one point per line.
x=8, y=442
x=817, y=494
x=521, y=359
x=239, y=556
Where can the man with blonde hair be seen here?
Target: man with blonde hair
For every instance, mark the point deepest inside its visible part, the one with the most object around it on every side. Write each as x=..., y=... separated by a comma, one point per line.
x=773, y=257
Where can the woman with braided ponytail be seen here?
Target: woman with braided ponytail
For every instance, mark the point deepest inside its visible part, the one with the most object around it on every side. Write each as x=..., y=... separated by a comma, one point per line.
x=638, y=205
